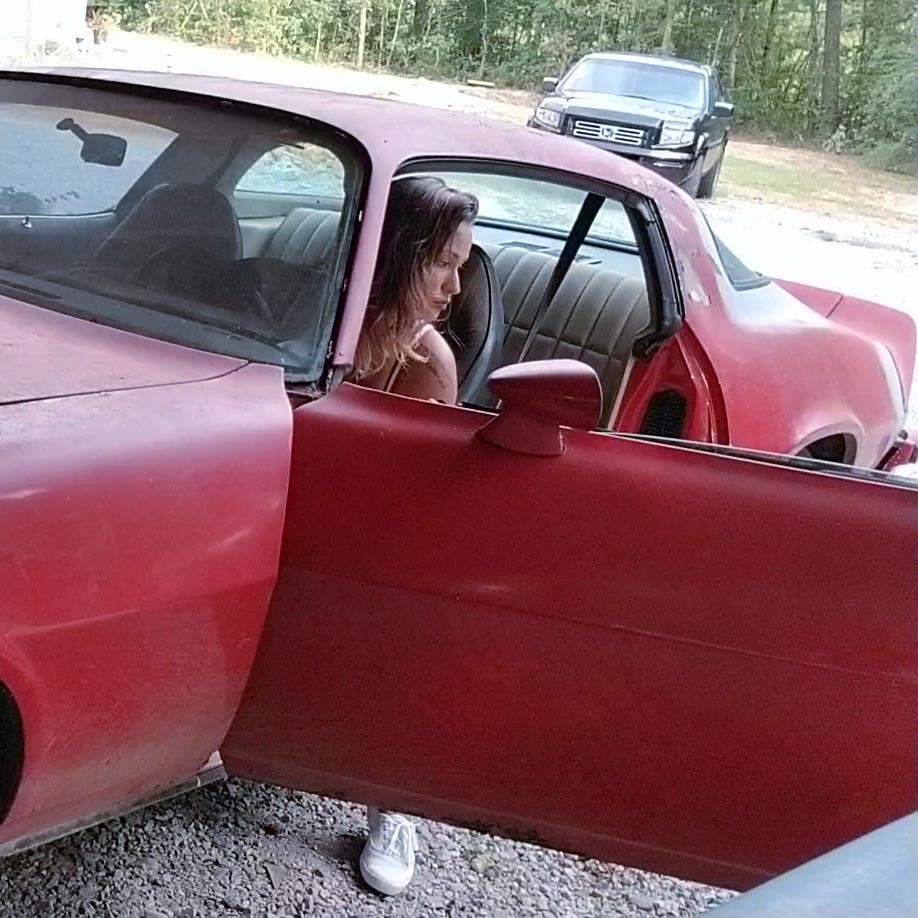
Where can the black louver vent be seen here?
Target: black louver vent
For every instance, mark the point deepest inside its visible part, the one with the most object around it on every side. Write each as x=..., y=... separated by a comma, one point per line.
x=665, y=415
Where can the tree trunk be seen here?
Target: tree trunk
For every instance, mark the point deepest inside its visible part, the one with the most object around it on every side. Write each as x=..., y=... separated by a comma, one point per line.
x=361, y=37
x=398, y=22
x=813, y=75
x=769, y=39
x=421, y=18
x=667, y=44
x=485, y=26
x=382, y=35
x=831, y=71
x=733, y=42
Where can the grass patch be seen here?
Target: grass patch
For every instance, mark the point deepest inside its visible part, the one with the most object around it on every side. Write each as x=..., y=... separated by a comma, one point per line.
x=814, y=180
x=753, y=177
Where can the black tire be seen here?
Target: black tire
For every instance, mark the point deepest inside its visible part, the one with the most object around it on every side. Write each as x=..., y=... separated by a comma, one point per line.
x=692, y=185
x=708, y=184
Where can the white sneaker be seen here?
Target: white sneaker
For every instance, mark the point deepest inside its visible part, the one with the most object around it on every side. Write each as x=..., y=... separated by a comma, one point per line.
x=387, y=861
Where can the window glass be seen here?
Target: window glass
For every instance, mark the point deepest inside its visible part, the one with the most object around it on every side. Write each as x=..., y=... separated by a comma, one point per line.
x=175, y=260
x=599, y=309
x=295, y=170
x=540, y=205
x=636, y=80
x=42, y=172
x=740, y=275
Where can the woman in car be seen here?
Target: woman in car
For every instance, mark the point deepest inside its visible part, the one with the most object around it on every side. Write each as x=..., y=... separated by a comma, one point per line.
x=426, y=239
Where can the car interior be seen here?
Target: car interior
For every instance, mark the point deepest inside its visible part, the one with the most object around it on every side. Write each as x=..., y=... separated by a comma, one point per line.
x=190, y=241
x=594, y=317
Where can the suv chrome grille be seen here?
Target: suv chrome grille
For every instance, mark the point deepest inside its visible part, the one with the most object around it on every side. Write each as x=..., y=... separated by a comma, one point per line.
x=612, y=133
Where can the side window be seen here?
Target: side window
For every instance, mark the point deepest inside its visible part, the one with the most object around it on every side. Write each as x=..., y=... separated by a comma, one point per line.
x=66, y=185
x=303, y=170
x=539, y=206
x=602, y=305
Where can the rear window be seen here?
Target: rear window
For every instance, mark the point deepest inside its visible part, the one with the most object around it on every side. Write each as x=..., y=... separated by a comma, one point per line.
x=42, y=172
x=123, y=210
x=739, y=274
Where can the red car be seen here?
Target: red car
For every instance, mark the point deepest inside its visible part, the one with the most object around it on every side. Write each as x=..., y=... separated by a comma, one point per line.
x=688, y=645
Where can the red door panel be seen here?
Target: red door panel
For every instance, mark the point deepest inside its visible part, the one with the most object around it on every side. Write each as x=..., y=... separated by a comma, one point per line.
x=140, y=534
x=687, y=662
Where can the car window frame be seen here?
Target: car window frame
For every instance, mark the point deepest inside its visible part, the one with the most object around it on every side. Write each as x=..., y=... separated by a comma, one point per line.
x=654, y=248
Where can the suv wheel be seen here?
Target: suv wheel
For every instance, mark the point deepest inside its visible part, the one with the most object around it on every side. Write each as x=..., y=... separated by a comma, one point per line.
x=692, y=185
x=708, y=185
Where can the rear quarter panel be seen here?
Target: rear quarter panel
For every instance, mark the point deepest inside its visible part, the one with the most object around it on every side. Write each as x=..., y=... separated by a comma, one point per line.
x=786, y=374
x=789, y=376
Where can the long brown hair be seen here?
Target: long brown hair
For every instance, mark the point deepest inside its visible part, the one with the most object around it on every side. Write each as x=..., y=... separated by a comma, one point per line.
x=422, y=215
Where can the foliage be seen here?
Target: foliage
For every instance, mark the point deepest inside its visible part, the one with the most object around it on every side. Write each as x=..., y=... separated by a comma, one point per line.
x=771, y=53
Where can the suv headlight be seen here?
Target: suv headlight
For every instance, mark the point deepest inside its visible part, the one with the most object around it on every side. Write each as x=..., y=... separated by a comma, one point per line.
x=676, y=134
x=548, y=117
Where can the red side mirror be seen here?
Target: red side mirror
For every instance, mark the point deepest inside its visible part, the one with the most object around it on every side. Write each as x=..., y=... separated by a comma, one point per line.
x=537, y=400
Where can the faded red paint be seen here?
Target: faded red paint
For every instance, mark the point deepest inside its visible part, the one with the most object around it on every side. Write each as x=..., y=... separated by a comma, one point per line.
x=140, y=529
x=645, y=653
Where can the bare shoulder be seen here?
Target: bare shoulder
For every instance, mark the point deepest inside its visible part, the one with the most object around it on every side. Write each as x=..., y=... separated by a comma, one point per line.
x=436, y=377
x=433, y=345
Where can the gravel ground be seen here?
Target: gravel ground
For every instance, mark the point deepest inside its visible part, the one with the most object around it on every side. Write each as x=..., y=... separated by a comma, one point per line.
x=244, y=849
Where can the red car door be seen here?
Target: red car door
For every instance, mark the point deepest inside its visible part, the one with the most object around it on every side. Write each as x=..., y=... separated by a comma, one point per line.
x=689, y=662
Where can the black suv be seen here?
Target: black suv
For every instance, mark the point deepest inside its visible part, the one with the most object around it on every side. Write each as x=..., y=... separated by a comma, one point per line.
x=668, y=114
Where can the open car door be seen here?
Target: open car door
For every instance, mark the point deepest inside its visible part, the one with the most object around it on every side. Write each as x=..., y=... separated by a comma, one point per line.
x=694, y=663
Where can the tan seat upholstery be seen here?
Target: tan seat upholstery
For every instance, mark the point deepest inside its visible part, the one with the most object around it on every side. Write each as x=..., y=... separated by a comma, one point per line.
x=595, y=315
x=305, y=237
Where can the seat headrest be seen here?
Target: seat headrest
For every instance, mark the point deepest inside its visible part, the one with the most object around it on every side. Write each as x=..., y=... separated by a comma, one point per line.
x=193, y=217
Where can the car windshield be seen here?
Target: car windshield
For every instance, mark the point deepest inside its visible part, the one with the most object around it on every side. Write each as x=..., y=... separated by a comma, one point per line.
x=637, y=80
x=170, y=219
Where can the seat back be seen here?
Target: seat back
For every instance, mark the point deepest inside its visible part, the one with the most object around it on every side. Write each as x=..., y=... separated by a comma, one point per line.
x=474, y=326
x=305, y=237
x=594, y=317
x=181, y=218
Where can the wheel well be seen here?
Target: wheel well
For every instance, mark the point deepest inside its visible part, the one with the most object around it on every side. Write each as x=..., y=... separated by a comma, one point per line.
x=12, y=746
x=837, y=448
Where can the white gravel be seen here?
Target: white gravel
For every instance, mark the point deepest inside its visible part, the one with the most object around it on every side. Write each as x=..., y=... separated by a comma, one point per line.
x=245, y=849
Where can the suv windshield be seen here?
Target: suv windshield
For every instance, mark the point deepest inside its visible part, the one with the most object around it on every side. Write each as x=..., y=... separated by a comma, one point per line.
x=636, y=80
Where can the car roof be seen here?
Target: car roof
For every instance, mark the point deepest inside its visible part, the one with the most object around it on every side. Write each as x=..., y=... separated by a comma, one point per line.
x=394, y=132
x=673, y=63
